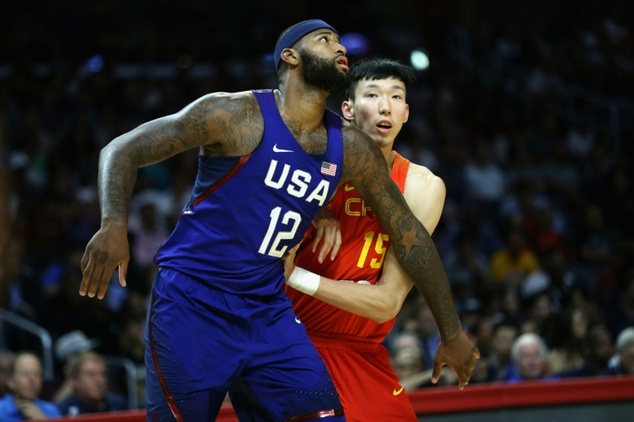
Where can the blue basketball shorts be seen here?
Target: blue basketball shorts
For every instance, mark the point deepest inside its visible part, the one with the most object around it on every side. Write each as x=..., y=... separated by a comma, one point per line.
x=200, y=341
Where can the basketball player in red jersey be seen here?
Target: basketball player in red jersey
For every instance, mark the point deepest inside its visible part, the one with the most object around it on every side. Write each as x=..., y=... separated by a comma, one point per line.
x=348, y=321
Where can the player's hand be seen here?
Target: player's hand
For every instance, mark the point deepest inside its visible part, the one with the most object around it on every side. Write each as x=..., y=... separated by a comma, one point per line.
x=289, y=261
x=460, y=354
x=107, y=250
x=327, y=227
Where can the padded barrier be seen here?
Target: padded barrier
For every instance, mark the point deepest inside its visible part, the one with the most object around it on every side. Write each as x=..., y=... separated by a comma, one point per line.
x=474, y=398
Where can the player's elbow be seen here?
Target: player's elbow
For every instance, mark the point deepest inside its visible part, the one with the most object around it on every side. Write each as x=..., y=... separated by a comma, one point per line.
x=386, y=312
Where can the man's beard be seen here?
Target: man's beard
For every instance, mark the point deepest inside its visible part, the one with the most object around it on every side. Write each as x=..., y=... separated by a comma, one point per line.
x=322, y=74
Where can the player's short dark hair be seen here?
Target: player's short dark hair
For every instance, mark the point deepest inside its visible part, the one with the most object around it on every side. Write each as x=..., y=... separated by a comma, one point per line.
x=378, y=68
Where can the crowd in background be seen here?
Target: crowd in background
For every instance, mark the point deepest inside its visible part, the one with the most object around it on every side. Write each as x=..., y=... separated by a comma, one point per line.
x=526, y=112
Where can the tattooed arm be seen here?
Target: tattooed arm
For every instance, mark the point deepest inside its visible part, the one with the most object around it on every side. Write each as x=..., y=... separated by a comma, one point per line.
x=366, y=168
x=410, y=240
x=215, y=123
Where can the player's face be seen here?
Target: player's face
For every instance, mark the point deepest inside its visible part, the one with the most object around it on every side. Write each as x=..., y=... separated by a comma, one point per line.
x=379, y=108
x=324, y=64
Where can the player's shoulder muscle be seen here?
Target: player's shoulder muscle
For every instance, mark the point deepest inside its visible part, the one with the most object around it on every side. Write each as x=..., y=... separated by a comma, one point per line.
x=425, y=193
x=421, y=178
x=232, y=122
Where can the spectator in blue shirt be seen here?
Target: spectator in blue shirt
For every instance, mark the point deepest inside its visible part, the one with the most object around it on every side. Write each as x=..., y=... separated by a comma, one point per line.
x=23, y=402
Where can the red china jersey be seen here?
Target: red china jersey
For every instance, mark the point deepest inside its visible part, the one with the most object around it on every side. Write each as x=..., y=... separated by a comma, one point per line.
x=361, y=257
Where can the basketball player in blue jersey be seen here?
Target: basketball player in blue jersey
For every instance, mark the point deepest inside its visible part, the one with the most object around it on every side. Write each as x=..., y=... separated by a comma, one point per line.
x=269, y=161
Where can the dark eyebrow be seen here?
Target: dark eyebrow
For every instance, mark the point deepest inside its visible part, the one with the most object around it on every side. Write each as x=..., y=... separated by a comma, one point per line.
x=392, y=87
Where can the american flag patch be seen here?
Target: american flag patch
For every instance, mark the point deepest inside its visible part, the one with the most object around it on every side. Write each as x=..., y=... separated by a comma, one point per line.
x=328, y=168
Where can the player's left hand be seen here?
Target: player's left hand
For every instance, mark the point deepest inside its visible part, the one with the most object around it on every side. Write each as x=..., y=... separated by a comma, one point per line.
x=460, y=354
x=327, y=227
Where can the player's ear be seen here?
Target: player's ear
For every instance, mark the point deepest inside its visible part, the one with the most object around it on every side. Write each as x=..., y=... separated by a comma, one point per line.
x=347, y=110
x=406, y=113
x=290, y=56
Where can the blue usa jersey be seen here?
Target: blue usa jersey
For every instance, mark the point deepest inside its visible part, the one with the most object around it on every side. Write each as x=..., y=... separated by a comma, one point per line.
x=246, y=212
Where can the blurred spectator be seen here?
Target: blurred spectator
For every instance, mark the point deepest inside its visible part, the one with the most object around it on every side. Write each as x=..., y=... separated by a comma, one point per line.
x=467, y=269
x=471, y=316
x=514, y=261
x=131, y=343
x=499, y=358
x=597, y=352
x=23, y=402
x=131, y=328
x=485, y=182
x=88, y=378
x=407, y=356
x=483, y=333
x=466, y=263
x=66, y=347
x=6, y=363
x=622, y=363
x=529, y=355
x=567, y=352
x=520, y=208
x=484, y=371
x=457, y=225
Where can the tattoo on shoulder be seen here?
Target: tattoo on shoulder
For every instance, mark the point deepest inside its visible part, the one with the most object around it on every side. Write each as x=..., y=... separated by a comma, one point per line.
x=233, y=120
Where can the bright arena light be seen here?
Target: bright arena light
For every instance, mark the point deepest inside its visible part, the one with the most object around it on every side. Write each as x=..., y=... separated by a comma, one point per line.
x=419, y=60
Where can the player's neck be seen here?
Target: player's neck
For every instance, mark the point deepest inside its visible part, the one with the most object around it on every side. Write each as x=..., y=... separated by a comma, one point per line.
x=302, y=106
x=389, y=157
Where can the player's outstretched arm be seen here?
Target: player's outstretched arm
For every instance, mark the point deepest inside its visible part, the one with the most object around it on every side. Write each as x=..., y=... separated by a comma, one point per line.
x=203, y=123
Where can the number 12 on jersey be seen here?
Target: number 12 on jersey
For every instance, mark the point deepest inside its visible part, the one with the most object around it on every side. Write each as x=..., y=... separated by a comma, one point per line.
x=290, y=217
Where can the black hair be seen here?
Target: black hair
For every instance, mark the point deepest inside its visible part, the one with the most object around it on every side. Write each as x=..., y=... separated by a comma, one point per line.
x=378, y=68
